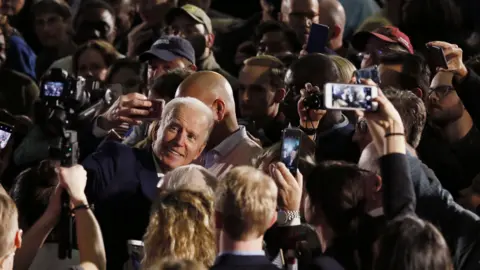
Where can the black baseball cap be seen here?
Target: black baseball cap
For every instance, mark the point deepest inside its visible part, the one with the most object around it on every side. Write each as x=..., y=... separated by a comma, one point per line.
x=168, y=48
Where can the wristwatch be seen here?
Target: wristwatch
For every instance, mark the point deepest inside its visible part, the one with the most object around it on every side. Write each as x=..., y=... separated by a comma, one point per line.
x=286, y=217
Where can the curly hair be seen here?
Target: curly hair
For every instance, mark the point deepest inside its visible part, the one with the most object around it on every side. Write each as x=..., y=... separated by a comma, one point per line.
x=181, y=227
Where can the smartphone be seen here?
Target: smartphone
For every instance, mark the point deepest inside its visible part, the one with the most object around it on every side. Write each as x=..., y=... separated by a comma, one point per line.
x=368, y=73
x=318, y=38
x=436, y=58
x=5, y=134
x=291, y=148
x=156, y=109
x=349, y=97
x=135, y=254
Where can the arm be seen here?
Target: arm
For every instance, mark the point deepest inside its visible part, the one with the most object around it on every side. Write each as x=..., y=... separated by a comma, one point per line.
x=89, y=236
x=468, y=87
x=35, y=237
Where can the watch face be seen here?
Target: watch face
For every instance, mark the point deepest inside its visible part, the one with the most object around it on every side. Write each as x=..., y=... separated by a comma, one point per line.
x=281, y=217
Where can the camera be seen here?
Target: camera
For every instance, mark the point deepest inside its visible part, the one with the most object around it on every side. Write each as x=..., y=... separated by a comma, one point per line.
x=59, y=89
x=314, y=101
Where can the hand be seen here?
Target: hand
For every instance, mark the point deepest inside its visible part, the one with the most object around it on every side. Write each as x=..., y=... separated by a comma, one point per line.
x=454, y=56
x=54, y=207
x=73, y=180
x=303, y=52
x=124, y=110
x=309, y=118
x=138, y=36
x=289, y=188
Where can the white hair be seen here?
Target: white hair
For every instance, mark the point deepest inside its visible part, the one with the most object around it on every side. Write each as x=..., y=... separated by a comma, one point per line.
x=369, y=159
x=192, y=177
x=191, y=103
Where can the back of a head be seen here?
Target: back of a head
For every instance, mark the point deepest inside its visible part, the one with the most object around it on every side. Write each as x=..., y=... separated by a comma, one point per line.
x=410, y=244
x=345, y=68
x=247, y=200
x=193, y=177
x=31, y=191
x=181, y=227
x=166, y=85
x=317, y=69
x=415, y=71
x=9, y=224
x=337, y=189
x=412, y=111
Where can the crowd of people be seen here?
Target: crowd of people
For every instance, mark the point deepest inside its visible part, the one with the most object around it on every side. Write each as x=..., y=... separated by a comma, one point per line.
x=188, y=166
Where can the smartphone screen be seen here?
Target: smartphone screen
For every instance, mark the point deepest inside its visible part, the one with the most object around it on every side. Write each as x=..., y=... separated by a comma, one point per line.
x=317, y=39
x=5, y=134
x=290, y=148
x=368, y=73
x=350, y=97
x=135, y=253
x=436, y=58
x=156, y=109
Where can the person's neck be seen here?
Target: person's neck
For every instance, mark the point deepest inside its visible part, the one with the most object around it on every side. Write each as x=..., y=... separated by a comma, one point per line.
x=229, y=245
x=456, y=130
x=329, y=120
x=64, y=47
x=263, y=122
x=337, y=45
x=325, y=236
x=222, y=131
x=205, y=55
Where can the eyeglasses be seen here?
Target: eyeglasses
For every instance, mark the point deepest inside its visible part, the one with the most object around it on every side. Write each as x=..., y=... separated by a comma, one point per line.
x=441, y=91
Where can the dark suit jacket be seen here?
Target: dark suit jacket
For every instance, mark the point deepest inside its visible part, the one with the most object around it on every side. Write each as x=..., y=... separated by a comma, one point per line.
x=121, y=184
x=237, y=262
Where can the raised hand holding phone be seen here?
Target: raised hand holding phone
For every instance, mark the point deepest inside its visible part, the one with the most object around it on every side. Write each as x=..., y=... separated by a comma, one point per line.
x=454, y=57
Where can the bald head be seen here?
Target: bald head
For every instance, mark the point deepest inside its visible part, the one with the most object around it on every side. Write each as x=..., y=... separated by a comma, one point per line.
x=332, y=14
x=210, y=88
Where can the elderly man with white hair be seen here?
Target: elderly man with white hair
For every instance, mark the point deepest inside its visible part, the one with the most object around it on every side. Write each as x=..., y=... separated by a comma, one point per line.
x=122, y=181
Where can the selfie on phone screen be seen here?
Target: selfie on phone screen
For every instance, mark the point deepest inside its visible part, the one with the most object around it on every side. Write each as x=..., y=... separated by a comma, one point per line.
x=5, y=134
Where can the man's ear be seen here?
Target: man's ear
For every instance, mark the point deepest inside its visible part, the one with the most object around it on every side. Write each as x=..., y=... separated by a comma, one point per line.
x=274, y=219
x=18, y=239
x=200, y=150
x=193, y=67
x=210, y=40
x=218, y=220
x=418, y=92
x=336, y=32
x=280, y=95
x=219, y=109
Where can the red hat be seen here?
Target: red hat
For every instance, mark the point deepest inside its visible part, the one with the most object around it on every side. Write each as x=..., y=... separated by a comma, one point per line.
x=389, y=34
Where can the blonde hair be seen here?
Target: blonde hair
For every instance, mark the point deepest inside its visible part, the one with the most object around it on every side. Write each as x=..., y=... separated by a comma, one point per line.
x=181, y=227
x=177, y=264
x=247, y=199
x=192, y=177
x=8, y=223
x=345, y=68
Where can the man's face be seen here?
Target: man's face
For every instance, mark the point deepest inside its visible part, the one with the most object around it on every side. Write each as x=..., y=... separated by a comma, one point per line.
x=158, y=67
x=256, y=95
x=193, y=31
x=11, y=7
x=51, y=29
x=300, y=14
x=153, y=12
x=374, y=49
x=181, y=137
x=96, y=23
x=443, y=104
x=274, y=43
x=124, y=11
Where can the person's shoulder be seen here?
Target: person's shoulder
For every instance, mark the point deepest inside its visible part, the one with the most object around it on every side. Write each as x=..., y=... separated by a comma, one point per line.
x=63, y=63
x=13, y=75
x=325, y=263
